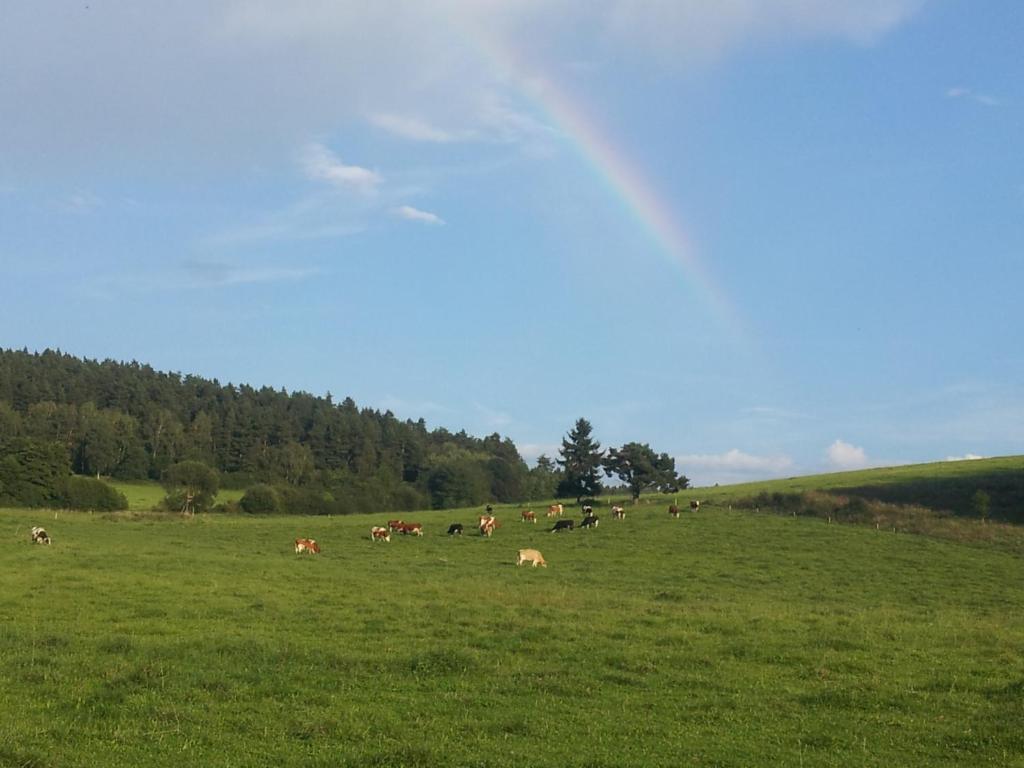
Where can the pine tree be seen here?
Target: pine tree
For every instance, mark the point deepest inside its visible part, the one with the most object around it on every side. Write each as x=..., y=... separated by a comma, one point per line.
x=581, y=463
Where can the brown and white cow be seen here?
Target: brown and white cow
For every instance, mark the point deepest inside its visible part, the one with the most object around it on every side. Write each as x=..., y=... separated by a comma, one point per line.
x=673, y=510
x=307, y=545
x=377, y=533
x=694, y=506
x=394, y=525
x=487, y=525
x=529, y=516
x=531, y=556
x=39, y=535
x=555, y=510
x=619, y=513
x=415, y=529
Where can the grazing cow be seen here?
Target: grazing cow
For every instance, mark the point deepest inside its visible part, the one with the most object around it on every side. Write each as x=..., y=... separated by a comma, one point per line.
x=529, y=516
x=562, y=525
x=394, y=525
x=455, y=529
x=694, y=506
x=414, y=528
x=587, y=510
x=39, y=536
x=307, y=545
x=487, y=525
x=531, y=556
x=673, y=510
x=619, y=513
x=377, y=533
x=555, y=510
x=590, y=521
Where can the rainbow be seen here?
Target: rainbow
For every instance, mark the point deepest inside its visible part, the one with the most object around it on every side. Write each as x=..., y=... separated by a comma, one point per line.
x=613, y=166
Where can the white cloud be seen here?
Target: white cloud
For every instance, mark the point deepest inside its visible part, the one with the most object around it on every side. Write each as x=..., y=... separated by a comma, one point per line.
x=733, y=466
x=409, y=213
x=842, y=455
x=216, y=274
x=320, y=164
x=966, y=93
x=532, y=451
x=416, y=129
x=966, y=457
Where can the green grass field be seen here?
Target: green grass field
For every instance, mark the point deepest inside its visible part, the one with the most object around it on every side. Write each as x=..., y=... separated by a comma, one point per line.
x=145, y=496
x=719, y=639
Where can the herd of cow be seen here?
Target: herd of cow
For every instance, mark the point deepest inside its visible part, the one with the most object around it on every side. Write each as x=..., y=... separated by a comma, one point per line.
x=487, y=523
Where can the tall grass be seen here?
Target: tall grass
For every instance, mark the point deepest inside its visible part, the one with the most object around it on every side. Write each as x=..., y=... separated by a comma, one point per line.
x=719, y=639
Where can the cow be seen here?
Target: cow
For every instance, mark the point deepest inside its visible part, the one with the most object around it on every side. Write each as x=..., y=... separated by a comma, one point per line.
x=587, y=510
x=619, y=513
x=555, y=510
x=307, y=545
x=394, y=525
x=590, y=521
x=694, y=506
x=531, y=556
x=562, y=525
x=487, y=525
x=455, y=529
x=39, y=535
x=377, y=533
x=528, y=516
x=414, y=528
x=673, y=510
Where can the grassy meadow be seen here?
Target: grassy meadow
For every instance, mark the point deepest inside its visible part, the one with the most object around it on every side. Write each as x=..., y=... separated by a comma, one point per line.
x=718, y=639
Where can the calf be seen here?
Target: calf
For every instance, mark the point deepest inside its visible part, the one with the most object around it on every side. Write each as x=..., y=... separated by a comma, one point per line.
x=619, y=513
x=307, y=545
x=380, y=534
x=39, y=536
x=694, y=506
x=562, y=525
x=590, y=521
x=531, y=556
x=528, y=516
x=455, y=529
x=673, y=510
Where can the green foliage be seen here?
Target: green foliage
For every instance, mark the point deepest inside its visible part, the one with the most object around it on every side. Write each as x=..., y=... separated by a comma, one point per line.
x=77, y=492
x=261, y=500
x=580, y=462
x=981, y=503
x=31, y=472
x=191, y=487
x=641, y=469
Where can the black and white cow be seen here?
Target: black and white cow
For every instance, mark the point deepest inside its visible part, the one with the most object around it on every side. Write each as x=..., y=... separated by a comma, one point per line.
x=455, y=529
x=590, y=521
x=40, y=536
x=563, y=525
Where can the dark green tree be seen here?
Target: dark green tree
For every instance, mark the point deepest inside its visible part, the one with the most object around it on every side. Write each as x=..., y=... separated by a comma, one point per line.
x=580, y=463
x=981, y=502
x=641, y=469
x=191, y=487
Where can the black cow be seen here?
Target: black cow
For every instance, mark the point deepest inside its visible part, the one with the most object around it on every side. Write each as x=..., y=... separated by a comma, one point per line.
x=455, y=529
x=563, y=525
x=590, y=521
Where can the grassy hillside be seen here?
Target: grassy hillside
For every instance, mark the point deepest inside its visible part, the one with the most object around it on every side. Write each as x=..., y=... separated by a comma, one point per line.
x=146, y=496
x=720, y=639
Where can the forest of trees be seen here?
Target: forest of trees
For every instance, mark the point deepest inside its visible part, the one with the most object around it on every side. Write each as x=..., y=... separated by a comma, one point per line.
x=296, y=452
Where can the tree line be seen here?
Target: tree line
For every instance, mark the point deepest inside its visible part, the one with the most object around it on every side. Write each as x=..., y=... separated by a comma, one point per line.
x=307, y=453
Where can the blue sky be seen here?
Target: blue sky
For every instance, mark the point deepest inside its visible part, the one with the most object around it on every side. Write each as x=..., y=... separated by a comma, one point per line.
x=447, y=209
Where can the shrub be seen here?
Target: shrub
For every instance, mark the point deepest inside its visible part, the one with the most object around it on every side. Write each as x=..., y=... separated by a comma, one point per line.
x=261, y=499
x=76, y=492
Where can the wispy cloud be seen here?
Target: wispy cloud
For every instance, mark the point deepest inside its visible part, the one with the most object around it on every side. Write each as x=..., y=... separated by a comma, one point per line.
x=409, y=213
x=843, y=455
x=965, y=457
x=491, y=418
x=417, y=129
x=218, y=274
x=320, y=164
x=82, y=202
x=960, y=92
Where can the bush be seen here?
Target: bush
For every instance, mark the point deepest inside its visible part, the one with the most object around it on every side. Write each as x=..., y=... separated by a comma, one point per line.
x=261, y=499
x=77, y=492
